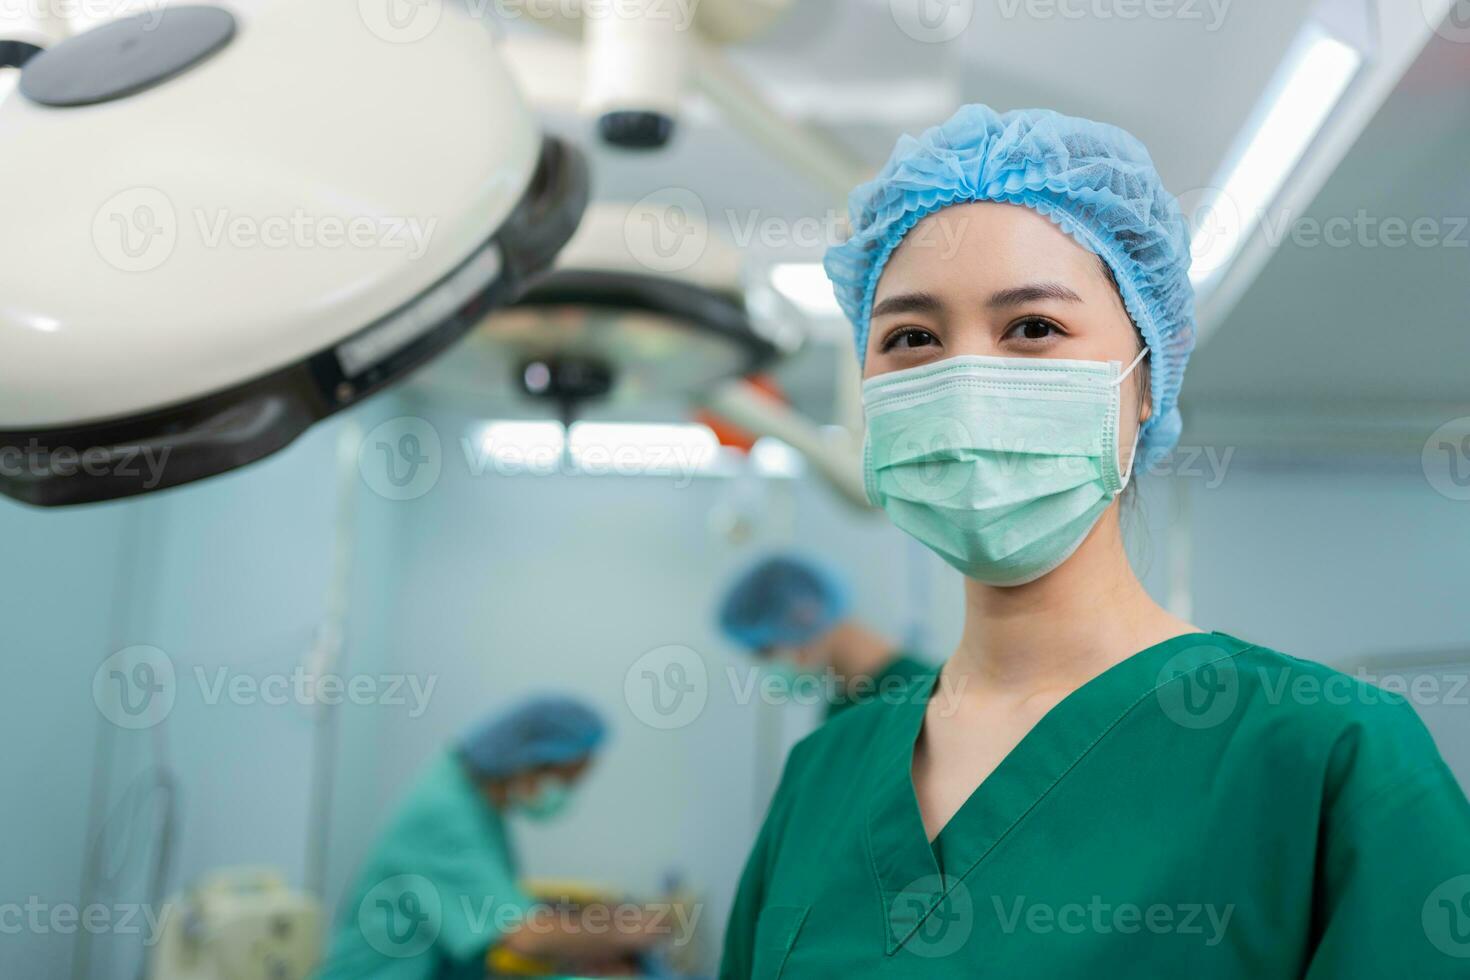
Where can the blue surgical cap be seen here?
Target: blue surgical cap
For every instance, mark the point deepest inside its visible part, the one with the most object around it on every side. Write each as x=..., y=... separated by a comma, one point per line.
x=1095, y=181
x=782, y=601
x=544, y=731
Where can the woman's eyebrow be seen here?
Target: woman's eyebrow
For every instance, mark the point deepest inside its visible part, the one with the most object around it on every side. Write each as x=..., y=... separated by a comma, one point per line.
x=1031, y=293
x=909, y=303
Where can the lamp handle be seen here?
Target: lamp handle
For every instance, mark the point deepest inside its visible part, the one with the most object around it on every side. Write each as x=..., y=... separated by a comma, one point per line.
x=15, y=54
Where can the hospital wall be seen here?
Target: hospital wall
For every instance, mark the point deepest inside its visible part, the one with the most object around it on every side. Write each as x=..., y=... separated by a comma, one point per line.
x=227, y=580
x=490, y=587
x=1357, y=562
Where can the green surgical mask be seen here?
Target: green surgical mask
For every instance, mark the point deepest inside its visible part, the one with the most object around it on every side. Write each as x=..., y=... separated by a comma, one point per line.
x=1000, y=465
x=549, y=801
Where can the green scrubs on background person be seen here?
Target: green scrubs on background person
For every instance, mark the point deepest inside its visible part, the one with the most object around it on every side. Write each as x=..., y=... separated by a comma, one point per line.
x=439, y=888
x=892, y=681
x=1205, y=809
x=429, y=897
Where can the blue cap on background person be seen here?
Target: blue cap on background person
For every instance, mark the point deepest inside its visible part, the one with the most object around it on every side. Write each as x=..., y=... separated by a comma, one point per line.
x=544, y=731
x=783, y=601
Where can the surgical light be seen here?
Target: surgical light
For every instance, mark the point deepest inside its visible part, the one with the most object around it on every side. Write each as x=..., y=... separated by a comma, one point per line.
x=212, y=240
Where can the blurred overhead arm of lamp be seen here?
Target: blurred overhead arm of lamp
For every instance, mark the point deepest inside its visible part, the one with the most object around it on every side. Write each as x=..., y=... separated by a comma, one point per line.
x=639, y=63
x=610, y=328
x=830, y=451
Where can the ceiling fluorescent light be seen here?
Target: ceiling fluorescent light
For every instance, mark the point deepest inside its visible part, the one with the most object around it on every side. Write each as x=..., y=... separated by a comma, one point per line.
x=772, y=457
x=806, y=285
x=514, y=446
x=1309, y=85
x=543, y=448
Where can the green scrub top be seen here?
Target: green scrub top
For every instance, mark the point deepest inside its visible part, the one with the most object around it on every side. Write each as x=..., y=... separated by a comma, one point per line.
x=893, y=680
x=1205, y=809
x=436, y=891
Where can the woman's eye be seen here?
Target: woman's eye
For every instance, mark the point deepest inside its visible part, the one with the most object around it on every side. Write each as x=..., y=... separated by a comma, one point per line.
x=1033, y=329
x=909, y=338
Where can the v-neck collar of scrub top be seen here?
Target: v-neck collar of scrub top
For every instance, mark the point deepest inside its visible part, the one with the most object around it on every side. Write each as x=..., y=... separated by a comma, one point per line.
x=905, y=862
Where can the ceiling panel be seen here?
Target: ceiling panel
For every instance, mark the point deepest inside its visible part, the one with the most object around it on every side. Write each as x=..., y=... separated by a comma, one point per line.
x=1352, y=315
x=1183, y=83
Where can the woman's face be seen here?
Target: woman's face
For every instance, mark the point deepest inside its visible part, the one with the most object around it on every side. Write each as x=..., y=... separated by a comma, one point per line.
x=1003, y=281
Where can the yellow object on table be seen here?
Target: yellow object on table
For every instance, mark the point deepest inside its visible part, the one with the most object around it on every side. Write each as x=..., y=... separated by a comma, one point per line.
x=502, y=962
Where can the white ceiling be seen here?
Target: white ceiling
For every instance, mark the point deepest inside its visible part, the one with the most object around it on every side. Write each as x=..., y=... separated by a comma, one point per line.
x=1184, y=86
x=1309, y=335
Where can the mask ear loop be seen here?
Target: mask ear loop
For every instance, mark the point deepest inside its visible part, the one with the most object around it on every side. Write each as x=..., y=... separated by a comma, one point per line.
x=1138, y=430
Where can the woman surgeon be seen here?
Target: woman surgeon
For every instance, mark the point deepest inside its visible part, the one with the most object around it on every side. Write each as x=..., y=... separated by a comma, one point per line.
x=1091, y=787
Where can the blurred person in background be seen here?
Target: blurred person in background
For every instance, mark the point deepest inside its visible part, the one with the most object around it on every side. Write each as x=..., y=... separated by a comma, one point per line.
x=794, y=615
x=440, y=889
